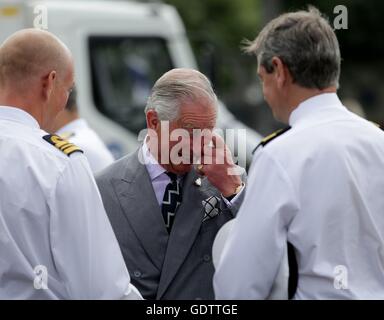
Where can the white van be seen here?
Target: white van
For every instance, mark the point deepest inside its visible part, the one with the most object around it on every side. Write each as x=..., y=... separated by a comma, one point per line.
x=120, y=49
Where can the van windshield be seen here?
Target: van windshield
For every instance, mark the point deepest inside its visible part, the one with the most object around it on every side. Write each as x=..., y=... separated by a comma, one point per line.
x=124, y=70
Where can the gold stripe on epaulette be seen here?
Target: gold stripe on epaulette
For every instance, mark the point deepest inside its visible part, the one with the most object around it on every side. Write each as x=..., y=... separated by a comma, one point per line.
x=377, y=125
x=270, y=137
x=71, y=149
x=61, y=144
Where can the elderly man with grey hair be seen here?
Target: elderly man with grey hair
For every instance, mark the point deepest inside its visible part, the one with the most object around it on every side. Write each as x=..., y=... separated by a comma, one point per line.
x=167, y=200
x=318, y=184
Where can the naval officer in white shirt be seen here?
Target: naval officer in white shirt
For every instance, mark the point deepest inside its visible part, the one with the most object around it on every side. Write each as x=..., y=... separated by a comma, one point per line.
x=318, y=185
x=55, y=238
x=71, y=127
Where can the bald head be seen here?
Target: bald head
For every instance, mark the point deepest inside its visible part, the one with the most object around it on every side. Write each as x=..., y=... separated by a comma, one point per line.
x=36, y=74
x=29, y=54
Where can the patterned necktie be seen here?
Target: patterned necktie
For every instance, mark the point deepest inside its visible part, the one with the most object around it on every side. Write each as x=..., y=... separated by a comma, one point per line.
x=171, y=201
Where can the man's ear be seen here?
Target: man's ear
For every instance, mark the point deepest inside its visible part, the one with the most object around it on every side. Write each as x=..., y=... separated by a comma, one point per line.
x=152, y=118
x=48, y=83
x=280, y=72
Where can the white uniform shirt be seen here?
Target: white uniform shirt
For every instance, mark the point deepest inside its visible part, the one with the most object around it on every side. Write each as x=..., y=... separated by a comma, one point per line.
x=319, y=186
x=52, y=217
x=86, y=138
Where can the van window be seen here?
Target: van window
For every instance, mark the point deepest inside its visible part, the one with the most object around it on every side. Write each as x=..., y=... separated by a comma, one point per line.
x=124, y=70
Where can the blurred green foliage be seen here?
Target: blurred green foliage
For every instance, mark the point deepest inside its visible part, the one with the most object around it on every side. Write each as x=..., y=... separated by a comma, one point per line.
x=217, y=27
x=220, y=21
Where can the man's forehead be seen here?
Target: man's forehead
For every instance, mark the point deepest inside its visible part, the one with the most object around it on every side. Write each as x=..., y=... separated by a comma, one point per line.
x=193, y=116
x=209, y=125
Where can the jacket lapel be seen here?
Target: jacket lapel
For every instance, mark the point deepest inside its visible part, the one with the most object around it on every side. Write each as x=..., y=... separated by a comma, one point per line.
x=138, y=202
x=185, y=228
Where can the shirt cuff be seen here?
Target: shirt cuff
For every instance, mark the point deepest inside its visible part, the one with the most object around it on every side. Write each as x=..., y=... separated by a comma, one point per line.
x=228, y=203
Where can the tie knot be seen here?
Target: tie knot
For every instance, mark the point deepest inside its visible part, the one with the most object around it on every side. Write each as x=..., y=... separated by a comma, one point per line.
x=172, y=176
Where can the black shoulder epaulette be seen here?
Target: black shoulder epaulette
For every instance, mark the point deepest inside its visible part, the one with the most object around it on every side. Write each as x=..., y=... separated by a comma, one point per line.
x=378, y=125
x=61, y=144
x=270, y=137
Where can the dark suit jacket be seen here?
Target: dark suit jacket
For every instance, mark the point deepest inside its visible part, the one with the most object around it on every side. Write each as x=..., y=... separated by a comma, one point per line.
x=162, y=266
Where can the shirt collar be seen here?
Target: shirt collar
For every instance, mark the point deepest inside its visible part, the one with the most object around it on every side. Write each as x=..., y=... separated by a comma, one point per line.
x=73, y=126
x=313, y=105
x=153, y=167
x=18, y=115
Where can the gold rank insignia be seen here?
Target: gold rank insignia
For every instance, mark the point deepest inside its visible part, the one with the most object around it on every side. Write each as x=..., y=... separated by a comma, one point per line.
x=270, y=137
x=62, y=144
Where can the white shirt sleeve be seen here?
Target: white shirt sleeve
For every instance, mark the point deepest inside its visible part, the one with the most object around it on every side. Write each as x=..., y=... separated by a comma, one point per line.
x=256, y=245
x=84, y=248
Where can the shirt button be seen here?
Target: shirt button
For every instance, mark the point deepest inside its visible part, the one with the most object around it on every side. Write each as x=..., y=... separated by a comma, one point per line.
x=137, y=274
x=207, y=258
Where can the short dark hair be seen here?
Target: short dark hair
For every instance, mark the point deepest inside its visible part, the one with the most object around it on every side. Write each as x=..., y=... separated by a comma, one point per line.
x=306, y=44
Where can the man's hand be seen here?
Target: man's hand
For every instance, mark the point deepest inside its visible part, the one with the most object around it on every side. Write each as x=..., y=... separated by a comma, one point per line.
x=219, y=168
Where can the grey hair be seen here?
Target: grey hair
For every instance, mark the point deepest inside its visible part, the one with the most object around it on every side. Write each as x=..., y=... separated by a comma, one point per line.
x=306, y=44
x=176, y=87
